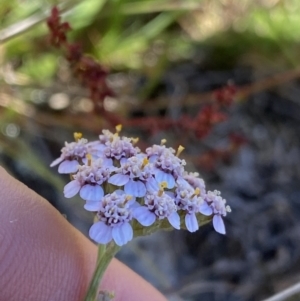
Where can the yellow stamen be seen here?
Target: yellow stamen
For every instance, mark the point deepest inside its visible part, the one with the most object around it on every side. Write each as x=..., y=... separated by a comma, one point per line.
x=77, y=136
x=119, y=128
x=179, y=150
x=89, y=158
x=163, y=141
x=145, y=162
x=135, y=140
x=196, y=192
x=128, y=198
x=162, y=186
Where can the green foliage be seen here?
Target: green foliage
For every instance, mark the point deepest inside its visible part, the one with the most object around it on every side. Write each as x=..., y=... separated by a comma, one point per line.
x=83, y=14
x=40, y=69
x=120, y=32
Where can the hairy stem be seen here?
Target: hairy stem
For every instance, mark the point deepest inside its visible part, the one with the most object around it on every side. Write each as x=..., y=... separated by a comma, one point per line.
x=105, y=255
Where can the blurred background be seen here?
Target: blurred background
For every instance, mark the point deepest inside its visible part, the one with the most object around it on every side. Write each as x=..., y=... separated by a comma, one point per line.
x=155, y=66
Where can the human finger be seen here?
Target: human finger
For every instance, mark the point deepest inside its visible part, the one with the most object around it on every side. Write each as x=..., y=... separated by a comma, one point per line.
x=42, y=257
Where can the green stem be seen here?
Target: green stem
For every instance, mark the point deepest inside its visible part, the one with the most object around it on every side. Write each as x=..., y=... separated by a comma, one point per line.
x=105, y=255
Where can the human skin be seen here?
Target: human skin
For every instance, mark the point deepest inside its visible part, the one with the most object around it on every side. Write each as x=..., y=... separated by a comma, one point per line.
x=42, y=257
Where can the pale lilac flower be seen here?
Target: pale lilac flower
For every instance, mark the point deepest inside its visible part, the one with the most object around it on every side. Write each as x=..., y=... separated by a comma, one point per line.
x=114, y=215
x=96, y=148
x=111, y=147
x=136, y=175
x=110, y=173
x=72, y=155
x=87, y=181
x=189, y=200
x=157, y=150
x=120, y=148
x=193, y=179
x=168, y=167
x=106, y=136
x=157, y=206
x=216, y=205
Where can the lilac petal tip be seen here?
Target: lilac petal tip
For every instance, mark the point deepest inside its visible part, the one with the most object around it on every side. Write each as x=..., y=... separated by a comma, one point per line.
x=91, y=193
x=205, y=209
x=118, y=179
x=108, y=162
x=122, y=234
x=71, y=189
x=218, y=224
x=101, y=233
x=123, y=160
x=153, y=158
x=174, y=220
x=92, y=206
x=162, y=176
x=68, y=166
x=56, y=161
x=144, y=216
x=191, y=222
x=152, y=185
x=135, y=188
x=119, y=192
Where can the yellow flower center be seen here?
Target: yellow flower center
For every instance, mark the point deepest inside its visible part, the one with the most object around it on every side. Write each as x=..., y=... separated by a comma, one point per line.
x=162, y=186
x=89, y=158
x=77, y=136
x=163, y=141
x=179, y=150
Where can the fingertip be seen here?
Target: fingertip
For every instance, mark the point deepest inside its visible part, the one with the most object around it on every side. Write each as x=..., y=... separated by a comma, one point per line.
x=44, y=258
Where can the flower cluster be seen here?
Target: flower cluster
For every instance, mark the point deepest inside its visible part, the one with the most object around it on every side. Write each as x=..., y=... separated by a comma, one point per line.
x=126, y=187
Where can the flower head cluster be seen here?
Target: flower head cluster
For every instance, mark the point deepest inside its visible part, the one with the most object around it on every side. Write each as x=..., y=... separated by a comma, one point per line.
x=114, y=214
x=72, y=155
x=125, y=187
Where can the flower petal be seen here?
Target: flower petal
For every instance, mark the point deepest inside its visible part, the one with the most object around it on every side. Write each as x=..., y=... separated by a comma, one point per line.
x=182, y=182
x=205, y=209
x=101, y=233
x=119, y=192
x=123, y=160
x=122, y=234
x=56, y=161
x=68, y=166
x=162, y=176
x=152, y=159
x=92, y=193
x=107, y=161
x=71, y=189
x=191, y=222
x=218, y=224
x=152, y=185
x=144, y=216
x=95, y=148
x=118, y=179
x=135, y=188
x=92, y=206
x=174, y=220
